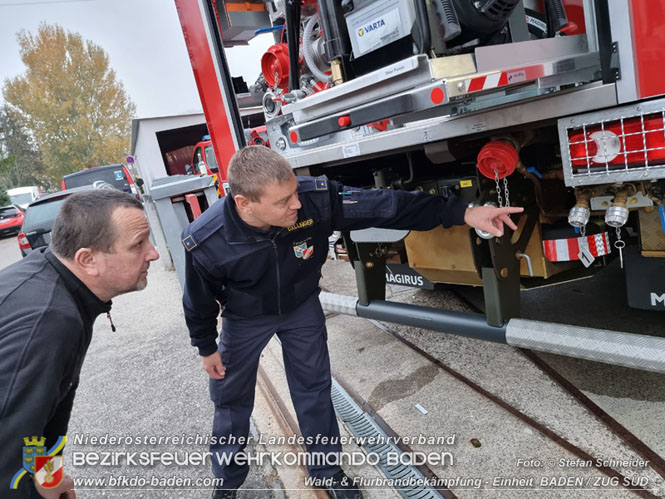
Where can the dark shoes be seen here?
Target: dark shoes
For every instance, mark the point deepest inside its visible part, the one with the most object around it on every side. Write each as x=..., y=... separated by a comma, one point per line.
x=224, y=494
x=341, y=487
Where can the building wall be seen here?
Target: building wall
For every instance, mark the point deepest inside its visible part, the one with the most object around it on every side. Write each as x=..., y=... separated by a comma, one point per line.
x=149, y=165
x=148, y=159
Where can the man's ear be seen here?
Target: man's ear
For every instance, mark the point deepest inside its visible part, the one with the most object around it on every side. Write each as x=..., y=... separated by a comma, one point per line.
x=87, y=260
x=241, y=202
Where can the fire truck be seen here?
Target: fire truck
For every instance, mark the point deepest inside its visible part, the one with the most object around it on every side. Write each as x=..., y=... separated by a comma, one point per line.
x=554, y=105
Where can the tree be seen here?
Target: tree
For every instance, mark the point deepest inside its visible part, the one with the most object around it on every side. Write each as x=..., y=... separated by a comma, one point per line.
x=4, y=198
x=20, y=162
x=71, y=101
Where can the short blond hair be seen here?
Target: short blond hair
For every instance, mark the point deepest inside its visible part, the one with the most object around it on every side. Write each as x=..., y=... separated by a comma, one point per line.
x=253, y=167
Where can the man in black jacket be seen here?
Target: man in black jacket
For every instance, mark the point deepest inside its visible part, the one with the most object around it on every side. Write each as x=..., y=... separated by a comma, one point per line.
x=100, y=248
x=259, y=254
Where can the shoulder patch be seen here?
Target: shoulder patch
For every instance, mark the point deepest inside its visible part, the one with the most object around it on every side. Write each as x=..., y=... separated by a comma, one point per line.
x=189, y=243
x=309, y=184
x=321, y=183
x=203, y=227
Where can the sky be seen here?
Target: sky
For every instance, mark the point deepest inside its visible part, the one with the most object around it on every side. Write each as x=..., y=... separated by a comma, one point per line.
x=142, y=38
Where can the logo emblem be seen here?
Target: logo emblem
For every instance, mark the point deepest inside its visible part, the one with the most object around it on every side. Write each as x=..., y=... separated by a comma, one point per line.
x=303, y=251
x=49, y=471
x=34, y=447
x=44, y=464
x=371, y=27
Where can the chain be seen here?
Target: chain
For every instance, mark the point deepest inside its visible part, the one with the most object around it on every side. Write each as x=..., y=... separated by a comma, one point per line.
x=498, y=187
x=506, y=192
x=619, y=244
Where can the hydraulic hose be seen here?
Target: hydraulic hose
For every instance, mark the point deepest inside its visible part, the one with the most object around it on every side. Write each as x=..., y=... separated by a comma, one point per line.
x=307, y=50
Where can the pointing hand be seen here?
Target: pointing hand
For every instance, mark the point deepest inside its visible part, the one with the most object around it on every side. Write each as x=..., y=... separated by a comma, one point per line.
x=490, y=218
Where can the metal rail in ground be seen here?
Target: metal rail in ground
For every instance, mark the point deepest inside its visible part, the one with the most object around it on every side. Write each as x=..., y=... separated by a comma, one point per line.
x=544, y=430
x=409, y=481
x=284, y=418
x=656, y=462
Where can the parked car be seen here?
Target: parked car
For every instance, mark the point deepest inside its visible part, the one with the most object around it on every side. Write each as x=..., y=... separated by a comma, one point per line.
x=11, y=219
x=39, y=218
x=116, y=175
x=23, y=196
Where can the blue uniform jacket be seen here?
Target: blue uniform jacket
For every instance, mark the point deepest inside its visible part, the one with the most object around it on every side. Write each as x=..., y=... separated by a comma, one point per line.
x=252, y=272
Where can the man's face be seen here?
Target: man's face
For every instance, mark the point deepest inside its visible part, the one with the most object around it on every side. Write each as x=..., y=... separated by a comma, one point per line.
x=125, y=268
x=278, y=206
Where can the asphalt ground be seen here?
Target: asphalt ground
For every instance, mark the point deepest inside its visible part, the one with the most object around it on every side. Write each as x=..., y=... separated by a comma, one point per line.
x=633, y=397
x=145, y=382
x=9, y=251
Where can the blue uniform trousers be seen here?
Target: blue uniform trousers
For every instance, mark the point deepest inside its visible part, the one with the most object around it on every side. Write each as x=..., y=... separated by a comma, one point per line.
x=303, y=336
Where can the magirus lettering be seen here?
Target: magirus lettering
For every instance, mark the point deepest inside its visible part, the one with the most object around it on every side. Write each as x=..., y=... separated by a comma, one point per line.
x=656, y=299
x=404, y=279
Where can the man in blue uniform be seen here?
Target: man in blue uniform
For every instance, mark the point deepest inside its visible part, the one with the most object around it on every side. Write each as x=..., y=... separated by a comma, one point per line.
x=258, y=253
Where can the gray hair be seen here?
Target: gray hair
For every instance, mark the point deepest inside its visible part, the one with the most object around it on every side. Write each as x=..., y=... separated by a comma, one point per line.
x=84, y=221
x=253, y=167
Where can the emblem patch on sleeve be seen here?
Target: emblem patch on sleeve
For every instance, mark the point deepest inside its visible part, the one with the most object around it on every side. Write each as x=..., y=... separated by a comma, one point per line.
x=302, y=250
x=49, y=471
x=321, y=184
x=45, y=465
x=189, y=243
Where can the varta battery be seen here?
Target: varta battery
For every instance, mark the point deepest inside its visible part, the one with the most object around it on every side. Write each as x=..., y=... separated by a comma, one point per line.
x=382, y=28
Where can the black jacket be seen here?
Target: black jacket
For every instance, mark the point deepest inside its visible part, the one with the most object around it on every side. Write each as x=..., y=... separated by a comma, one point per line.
x=252, y=273
x=46, y=318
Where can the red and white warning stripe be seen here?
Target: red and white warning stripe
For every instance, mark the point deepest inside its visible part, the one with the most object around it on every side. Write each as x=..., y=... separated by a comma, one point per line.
x=486, y=82
x=503, y=78
x=566, y=250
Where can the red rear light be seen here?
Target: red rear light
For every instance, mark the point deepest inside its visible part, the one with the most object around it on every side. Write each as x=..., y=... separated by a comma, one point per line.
x=632, y=142
x=63, y=184
x=23, y=242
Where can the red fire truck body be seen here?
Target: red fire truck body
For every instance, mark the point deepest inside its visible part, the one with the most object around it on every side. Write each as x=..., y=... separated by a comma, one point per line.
x=554, y=105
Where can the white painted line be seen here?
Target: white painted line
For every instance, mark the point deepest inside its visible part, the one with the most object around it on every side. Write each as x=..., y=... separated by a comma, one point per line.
x=421, y=408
